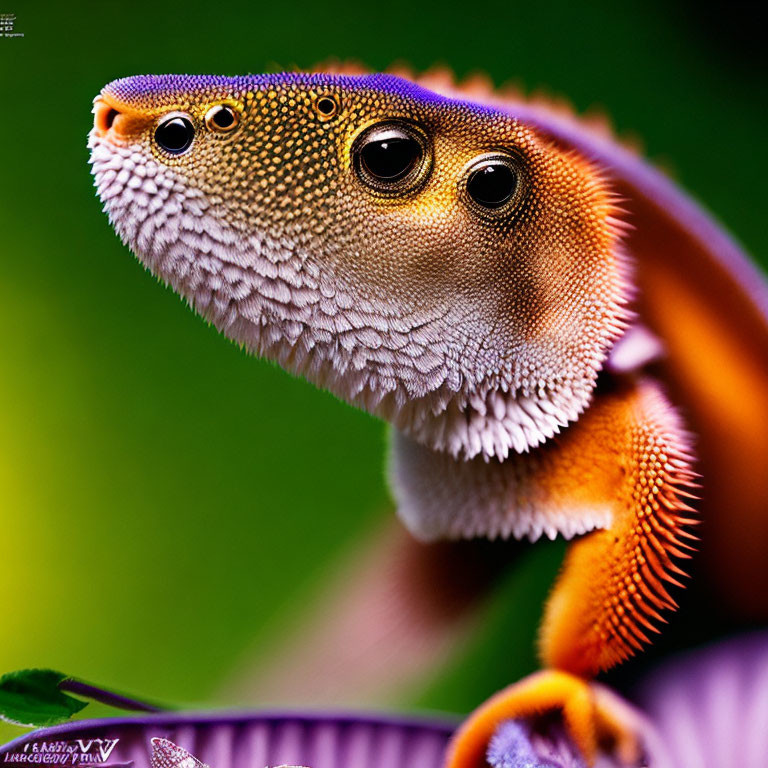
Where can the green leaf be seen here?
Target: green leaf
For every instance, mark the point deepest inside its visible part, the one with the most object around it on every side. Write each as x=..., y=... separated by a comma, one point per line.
x=31, y=697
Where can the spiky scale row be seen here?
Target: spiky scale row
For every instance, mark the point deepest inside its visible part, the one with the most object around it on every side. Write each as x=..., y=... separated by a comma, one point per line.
x=630, y=451
x=614, y=582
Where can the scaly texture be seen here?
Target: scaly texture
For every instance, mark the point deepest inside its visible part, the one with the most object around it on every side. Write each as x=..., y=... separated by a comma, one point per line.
x=623, y=472
x=475, y=332
x=631, y=453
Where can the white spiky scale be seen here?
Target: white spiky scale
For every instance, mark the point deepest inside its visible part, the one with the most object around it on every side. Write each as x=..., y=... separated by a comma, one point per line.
x=438, y=497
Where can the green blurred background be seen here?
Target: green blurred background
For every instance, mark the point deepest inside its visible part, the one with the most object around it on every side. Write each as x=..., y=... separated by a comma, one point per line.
x=170, y=507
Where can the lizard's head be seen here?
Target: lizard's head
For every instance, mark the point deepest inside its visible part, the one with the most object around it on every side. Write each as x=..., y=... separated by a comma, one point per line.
x=435, y=262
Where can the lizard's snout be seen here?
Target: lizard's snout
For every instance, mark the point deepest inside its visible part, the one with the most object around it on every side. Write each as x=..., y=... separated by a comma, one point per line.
x=104, y=116
x=112, y=120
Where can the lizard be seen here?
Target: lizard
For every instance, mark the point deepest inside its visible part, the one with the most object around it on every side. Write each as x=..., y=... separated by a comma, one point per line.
x=461, y=263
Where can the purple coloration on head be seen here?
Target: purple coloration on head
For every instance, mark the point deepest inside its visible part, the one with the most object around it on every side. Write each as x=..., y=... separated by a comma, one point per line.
x=170, y=86
x=152, y=85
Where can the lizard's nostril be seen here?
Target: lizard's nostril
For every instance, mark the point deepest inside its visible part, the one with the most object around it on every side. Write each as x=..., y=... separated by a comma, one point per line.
x=118, y=122
x=103, y=116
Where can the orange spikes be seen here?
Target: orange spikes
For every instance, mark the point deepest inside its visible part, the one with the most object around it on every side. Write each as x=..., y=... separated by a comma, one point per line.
x=613, y=586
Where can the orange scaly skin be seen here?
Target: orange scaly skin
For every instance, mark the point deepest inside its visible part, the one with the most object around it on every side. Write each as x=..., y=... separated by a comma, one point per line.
x=480, y=331
x=628, y=452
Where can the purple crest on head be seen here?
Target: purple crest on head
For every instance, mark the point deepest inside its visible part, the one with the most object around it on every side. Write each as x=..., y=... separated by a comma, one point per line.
x=173, y=86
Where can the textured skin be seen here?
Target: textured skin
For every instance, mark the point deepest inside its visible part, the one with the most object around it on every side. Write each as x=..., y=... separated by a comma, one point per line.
x=704, y=297
x=623, y=472
x=479, y=334
x=632, y=453
x=415, y=306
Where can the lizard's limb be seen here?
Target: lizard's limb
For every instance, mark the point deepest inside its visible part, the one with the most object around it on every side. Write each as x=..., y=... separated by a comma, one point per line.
x=628, y=452
x=611, y=587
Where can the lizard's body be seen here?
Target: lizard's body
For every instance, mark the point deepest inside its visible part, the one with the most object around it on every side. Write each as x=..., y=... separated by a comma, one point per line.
x=459, y=270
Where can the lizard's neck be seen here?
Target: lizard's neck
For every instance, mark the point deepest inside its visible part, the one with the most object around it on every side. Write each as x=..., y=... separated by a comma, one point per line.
x=439, y=497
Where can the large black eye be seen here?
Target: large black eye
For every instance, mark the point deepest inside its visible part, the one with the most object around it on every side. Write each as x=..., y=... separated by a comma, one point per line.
x=390, y=157
x=175, y=134
x=390, y=154
x=493, y=182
